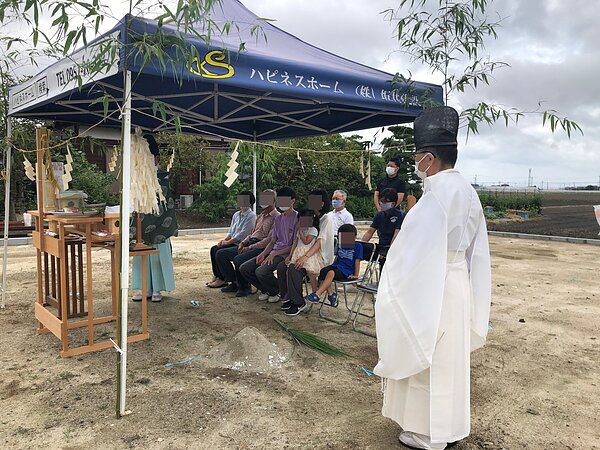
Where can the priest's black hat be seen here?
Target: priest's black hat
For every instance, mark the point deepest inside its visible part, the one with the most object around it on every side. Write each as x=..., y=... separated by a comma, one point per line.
x=436, y=127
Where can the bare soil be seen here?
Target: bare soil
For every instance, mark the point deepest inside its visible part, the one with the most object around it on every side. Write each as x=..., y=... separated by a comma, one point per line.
x=534, y=386
x=564, y=213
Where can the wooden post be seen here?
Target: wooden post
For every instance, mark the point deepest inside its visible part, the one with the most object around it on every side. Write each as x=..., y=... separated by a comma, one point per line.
x=90, y=299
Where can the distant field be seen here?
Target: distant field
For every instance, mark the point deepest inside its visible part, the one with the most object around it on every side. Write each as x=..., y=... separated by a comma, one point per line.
x=564, y=213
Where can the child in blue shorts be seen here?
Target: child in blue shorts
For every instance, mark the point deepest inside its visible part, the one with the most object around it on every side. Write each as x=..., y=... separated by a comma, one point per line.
x=346, y=265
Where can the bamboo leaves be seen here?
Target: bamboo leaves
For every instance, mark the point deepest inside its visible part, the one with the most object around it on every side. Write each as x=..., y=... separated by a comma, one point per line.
x=453, y=32
x=312, y=341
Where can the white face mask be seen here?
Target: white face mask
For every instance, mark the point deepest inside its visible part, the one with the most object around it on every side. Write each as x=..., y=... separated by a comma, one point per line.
x=337, y=203
x=385, y=206
x=284, y=208
x=420, y=173
x=390, y=170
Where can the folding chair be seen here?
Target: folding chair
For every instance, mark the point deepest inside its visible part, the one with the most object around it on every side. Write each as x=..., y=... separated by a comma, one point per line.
x=368, y=287
x=370, y=255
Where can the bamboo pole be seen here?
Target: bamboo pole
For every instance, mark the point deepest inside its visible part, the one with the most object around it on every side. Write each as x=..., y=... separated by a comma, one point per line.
x=6, y=209
x=124, y=241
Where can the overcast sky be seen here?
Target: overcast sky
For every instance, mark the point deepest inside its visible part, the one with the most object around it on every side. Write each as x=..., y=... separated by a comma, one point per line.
x=550, y=45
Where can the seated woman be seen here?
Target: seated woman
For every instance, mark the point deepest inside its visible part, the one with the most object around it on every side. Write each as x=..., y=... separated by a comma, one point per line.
x=306, y=237
x=294, y=304
x=242, y=224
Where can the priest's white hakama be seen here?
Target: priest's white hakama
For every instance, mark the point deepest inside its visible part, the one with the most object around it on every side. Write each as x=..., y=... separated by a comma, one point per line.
x=433, y=308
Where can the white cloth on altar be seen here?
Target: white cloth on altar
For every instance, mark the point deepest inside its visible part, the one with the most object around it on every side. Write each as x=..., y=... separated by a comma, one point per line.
x=432, y=309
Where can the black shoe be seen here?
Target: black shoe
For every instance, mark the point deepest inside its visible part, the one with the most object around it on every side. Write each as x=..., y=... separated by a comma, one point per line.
x=295, y=310
x=286, y=305
x=243, y=292
x=231, y=287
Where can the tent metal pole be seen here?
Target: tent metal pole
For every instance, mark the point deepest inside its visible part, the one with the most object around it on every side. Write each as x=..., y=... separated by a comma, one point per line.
x=254, y=174
x=125, y=211
x=6, y=209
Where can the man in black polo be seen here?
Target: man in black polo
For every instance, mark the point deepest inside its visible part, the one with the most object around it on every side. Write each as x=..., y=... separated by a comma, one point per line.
x=387, y=222
x=391, y=180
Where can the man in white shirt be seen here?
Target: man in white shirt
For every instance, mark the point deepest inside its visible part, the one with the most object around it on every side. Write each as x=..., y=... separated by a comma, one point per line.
x=340, y=215
x=434, y=295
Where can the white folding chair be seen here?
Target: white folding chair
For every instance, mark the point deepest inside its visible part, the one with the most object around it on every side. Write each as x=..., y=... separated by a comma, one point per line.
x=367, y=288
x=370, y=256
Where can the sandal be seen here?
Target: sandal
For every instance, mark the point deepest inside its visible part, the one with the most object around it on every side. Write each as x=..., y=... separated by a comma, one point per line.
x=217, y=284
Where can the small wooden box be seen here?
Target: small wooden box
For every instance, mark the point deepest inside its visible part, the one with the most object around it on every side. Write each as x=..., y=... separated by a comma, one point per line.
x=112, y=222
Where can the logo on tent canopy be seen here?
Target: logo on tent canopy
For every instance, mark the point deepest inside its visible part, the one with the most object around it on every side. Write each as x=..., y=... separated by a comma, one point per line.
x=211, y=66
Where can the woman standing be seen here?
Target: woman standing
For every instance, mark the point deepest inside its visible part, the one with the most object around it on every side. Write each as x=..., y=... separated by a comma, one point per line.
x=157, y=231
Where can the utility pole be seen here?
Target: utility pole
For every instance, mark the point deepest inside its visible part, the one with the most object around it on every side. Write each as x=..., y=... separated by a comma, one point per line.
x=529, y=178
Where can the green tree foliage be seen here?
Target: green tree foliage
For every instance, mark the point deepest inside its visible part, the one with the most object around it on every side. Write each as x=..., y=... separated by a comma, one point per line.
x=448, y=37
x=23, y=132
x=88, y=178
x=326, y=162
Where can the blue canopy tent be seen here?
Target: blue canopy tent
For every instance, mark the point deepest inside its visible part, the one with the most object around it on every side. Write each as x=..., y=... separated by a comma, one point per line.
x=277, y=87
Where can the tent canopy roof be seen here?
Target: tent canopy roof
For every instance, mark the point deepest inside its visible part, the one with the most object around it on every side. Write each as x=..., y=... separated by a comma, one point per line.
x=278, y=87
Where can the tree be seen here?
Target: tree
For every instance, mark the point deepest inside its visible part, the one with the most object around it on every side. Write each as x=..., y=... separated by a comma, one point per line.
x=452, y=35
x=326, y=162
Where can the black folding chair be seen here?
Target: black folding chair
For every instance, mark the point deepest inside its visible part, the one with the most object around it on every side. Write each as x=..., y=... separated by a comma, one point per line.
x=370, y=255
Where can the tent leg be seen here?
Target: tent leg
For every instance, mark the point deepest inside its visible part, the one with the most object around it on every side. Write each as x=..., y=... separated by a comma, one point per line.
x=6, y=209
x=124, y=241
x=254, y=174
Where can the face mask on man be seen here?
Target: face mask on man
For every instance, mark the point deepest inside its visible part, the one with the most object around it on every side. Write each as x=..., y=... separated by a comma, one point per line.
x=337, y=203
x=386, y=206
x=420, y=173
x=284, y=208
x=390, y=170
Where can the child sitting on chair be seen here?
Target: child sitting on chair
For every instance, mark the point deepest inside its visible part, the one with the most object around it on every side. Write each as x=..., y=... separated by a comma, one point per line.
x=345, y=267
x=306, y=237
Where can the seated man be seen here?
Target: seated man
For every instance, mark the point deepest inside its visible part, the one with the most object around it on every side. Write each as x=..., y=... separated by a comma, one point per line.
x=241, y=226
x=387, y=222
x=249, y=248
x=259, y=271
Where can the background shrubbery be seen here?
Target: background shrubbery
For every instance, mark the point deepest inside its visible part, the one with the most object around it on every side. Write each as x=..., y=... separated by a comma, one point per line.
x=503, y=201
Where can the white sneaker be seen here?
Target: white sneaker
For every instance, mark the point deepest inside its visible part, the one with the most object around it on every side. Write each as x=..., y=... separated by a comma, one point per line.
x=263, y=296
x=416, y=440
x=138, y=297
x=156, y=297
x=273, y=298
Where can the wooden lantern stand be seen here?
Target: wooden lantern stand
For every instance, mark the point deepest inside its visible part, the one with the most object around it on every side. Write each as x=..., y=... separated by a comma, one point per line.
x=62, y=282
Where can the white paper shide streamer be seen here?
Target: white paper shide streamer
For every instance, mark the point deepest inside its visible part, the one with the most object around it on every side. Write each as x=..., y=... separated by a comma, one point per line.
x=146, y=192
x=231, y=174
x=68, y=167
x=29, y=170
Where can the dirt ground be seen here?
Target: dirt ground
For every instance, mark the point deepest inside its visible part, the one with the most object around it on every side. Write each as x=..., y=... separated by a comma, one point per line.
x=534, y=386
x=564, y=213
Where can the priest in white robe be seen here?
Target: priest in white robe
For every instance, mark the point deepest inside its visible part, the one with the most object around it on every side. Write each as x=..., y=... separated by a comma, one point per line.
x=434, y=296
